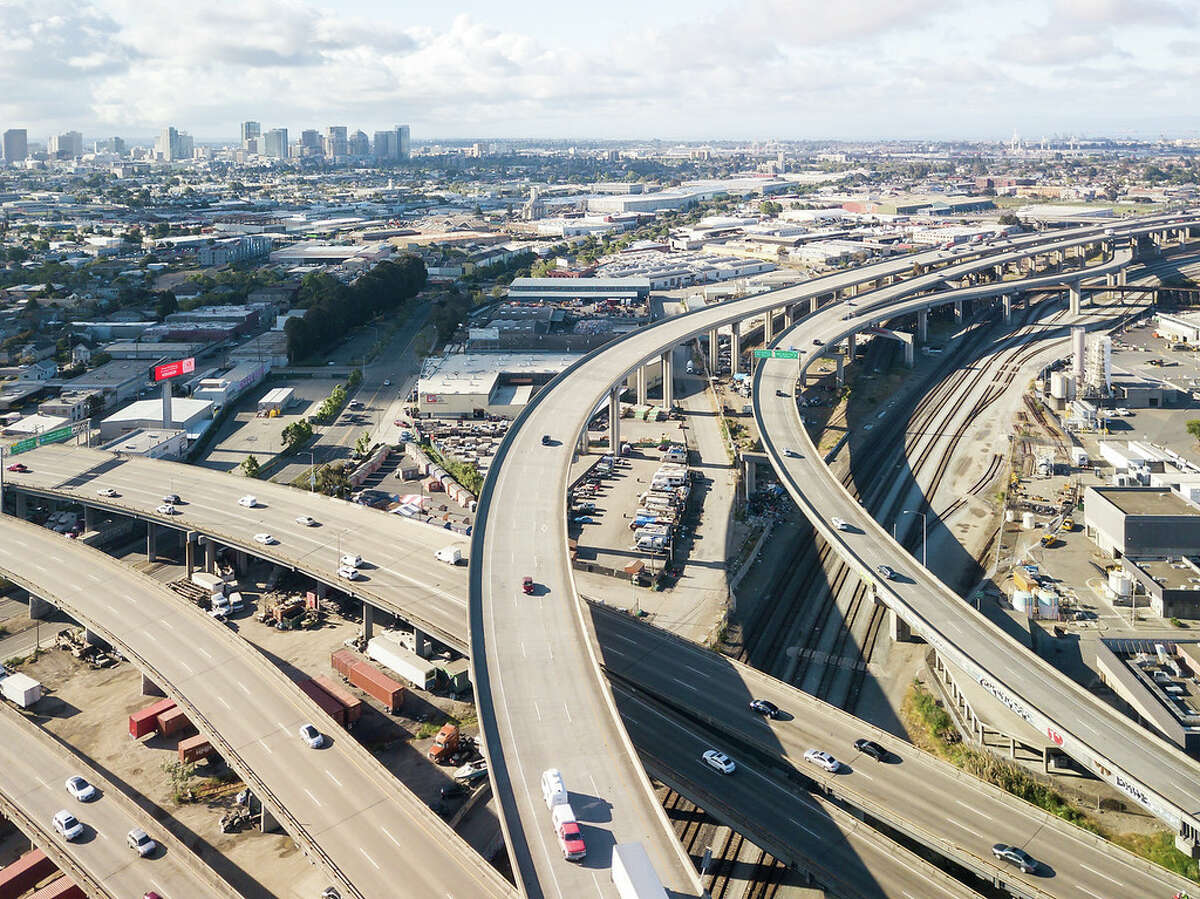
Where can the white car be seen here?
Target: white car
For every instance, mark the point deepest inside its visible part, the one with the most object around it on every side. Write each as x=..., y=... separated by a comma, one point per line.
x=387, y=382
x=822, y=759
x=106, y=491
x=350, y=561
x=249, y=501
x=139, y=841
x=313, y=737
x=67, y=824
x=307, y=520
x=80, y=788
x=718, y=761
x=350, y=574
x=839, y=523
x=166, y=509
x=265, y=539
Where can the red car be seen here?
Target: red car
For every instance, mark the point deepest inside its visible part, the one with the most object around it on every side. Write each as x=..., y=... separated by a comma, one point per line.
x=527, y=585
x=18, y=466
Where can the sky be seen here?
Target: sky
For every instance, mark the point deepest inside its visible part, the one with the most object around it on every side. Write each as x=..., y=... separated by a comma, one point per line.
x=621, y=69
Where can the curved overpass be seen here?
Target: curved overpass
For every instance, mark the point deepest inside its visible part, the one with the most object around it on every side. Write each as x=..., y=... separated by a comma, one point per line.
x=1143, y=766
x=542, y=701
x=344, y=809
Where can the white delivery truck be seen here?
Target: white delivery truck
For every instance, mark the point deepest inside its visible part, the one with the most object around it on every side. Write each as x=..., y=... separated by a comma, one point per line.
x=634, y=874
x=451, y=555
x=21, y=689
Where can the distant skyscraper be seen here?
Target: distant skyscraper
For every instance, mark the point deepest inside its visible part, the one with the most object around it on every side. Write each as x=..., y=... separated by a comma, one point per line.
x=16, y=145
x=384, y=145
x=310, y=142
x=275, y=143
x=110, y=145
x=403, y=147
x=251, y=130
x=68, y=145
x=173, y=145
x=359, y=144
x=335, y=141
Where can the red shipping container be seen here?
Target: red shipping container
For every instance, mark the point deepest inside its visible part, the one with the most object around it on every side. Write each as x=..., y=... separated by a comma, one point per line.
x=145, y=721
x=328, y=704
x=375, y=683
x=63, y=888
x=347, y=700
x=342, y=661
x=172, y=721
x=22, y=875
x=192, y=749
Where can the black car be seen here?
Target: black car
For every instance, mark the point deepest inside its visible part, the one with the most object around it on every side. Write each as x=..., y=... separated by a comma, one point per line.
x=546, y=441
x=818, y=342
x=871, y=748
x=172, y=499
x=780, y=393
x=1016, y=857
x=764, y=707
x=449, y=791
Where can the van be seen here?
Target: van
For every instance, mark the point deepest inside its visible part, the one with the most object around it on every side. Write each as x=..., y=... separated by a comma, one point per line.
x=451, y=555
x=554, y=791
x=691, y=367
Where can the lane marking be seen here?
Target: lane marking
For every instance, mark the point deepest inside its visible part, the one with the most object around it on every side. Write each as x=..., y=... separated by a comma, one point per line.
x=568, y=711
x=331, y=777
x=1100, y=874
x=368, y=858
x=312, y=797
x=964, y=827
x=967, y=805
x=270, y=751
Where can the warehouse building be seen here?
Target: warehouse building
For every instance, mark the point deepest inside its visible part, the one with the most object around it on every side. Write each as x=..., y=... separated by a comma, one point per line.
x=557, y=290
x=1145, y=522
x=1172, y=585
x=192, y=416
x=475, y=385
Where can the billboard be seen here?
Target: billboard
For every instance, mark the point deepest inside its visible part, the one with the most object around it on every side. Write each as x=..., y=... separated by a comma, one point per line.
x=175, y=369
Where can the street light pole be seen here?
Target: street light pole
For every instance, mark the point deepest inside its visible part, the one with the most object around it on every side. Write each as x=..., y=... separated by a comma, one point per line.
x=924, y=536
x=312, y=472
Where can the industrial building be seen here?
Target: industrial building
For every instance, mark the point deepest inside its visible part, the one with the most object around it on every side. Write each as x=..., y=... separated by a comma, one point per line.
x=153, y=443
x=276, y=400
x=226, y=388
x=118, y=380
x=1146, y=522
x=1181, y=326
x=532, y=290
x=1156, y=681
x=190, y=415
x=475, y=385
x=1171, y=585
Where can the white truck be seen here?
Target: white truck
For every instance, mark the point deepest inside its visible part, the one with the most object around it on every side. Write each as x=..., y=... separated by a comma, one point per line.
x=213, y=583
x=451, y=555
x=633, y=873
x=21, y=689
x=402, y=660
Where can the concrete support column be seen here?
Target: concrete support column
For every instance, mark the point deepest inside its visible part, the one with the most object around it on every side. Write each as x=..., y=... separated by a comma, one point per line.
x=735, y=347
x=39, y=608
x=814, y=303
x=1121, y=277
x=210, y=556
x=421, y=644
x=769, y=326
x=748, y=475
x=851, y=347
x=89, y=518
x=1007, y=300
x=1076, y=297
x=267, y=822
x=789, y=316
x=923, y=325
x=841, y=370
x=898, y=628
x=582, y=445
x=999, y=272
x=22, y=501
x=151, y=541
x=150, y=688
x=641, y=381
x=1012, y=747
x=910, y=356
x=958, y=310
x=714, y=350
x=368, y=621
x=668, y=379
x=614, y=421
x=189, y=553
x=1187, y=846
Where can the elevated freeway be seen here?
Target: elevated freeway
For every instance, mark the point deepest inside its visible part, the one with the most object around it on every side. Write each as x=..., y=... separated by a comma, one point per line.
x=676, y=687
x=530, y=720
x=1144, y=767
x=34, y=768
x=340, y=805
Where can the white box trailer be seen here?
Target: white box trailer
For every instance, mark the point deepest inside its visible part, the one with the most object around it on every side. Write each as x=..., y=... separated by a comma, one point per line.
x=403, y=661
x=21, y=689
x=633, y=873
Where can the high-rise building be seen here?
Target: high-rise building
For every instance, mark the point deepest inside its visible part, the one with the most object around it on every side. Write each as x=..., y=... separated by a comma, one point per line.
x=68, y=145
x=173, y=145
x=403, y=146
x=359, y=144
x=275, y=143
x=384, y=145
x=250, y=130
x=310, y=142
x=335, y=141
x=16, y=145
x=110, y=145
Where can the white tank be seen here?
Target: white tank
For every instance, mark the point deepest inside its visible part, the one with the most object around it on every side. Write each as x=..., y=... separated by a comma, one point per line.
x=1060, y=385
x=1047, y=605
x=1010, y=514
x=1028, y=520
x=1120, y=582
x=1021, y=600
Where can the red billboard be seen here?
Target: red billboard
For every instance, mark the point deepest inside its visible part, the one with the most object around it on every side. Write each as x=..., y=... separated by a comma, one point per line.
x=175, y=369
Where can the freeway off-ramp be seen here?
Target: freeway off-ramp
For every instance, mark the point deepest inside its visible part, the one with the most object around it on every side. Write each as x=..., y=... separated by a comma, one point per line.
x=1143, y=766
x=33, y=772
x=704, y=687
x=338, y=802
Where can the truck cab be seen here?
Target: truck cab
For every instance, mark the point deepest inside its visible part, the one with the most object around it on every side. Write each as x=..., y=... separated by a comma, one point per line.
x=566, y=828
x=445, y=744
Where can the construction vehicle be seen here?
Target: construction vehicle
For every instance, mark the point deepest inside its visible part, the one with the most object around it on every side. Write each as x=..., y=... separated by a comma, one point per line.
x=1049, y=540
x=445, y=744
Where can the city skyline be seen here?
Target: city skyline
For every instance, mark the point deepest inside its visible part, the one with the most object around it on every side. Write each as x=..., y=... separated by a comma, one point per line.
x=901, y=69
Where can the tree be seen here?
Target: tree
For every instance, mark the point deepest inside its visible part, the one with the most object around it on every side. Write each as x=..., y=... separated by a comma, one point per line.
x=93, y=405
x=250, y=466
x=165, y=305
x=355, y=378
x=333, y=480
x=1193, y=428
x=362, y=445
x=296, y=434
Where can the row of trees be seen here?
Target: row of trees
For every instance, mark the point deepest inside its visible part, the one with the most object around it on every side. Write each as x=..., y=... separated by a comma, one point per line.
x=332, y=309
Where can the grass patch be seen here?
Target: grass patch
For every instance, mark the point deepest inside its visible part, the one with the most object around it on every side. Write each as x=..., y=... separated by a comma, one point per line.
x=467, y=475
x=930, y=726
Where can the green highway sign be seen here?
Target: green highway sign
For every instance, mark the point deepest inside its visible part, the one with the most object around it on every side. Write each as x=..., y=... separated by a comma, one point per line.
x=777, y=354
x=22, y=446
x=56, y=436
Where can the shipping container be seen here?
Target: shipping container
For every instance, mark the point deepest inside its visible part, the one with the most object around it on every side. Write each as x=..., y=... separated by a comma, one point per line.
x=26, y=872
x=341, y=662
x=173, y=721
x=145, y=721
x=192, y=749
x=63, y=888
x=21, y=689
x=347, y=700
x=328, y=704
x=375, y=683
x=385, y=650
x=1024, y=581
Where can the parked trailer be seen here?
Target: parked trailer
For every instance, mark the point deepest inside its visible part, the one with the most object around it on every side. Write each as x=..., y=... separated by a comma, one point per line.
x=634, y=874
x=172, y=721
x=342, y=661
x=63, y=888
x=352, y=705
x=193, y=749
x=21, y=689
x=328, y=704
x=375, y=683
x=25, y=873
x=145, y=721
x=403, y=661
